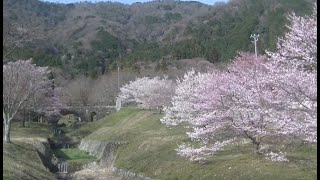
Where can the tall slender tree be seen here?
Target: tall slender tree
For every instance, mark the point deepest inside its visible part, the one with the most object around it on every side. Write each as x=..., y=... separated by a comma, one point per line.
x=23, y=82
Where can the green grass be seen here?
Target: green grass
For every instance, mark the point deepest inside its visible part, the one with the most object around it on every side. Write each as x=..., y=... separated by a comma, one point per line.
x=20, y=159
x=32, y=130
x=150, y=152
x=90, y=127
x=74, y=155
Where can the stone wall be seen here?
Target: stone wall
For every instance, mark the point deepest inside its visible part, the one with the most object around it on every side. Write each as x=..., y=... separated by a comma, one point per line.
x=45, y=154
x=84, y=113
x=105, y=152
x=100, y=112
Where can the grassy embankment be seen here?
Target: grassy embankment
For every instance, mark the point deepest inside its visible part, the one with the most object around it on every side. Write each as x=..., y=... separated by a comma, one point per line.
x=150, y=152
x=20, y=159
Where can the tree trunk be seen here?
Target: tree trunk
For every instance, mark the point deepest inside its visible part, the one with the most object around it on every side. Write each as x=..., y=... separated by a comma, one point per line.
x=256, y=140
x=24, y=118
x=256, y=144
x=7, y=131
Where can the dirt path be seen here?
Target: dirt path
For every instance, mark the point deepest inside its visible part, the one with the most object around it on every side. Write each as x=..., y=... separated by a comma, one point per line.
x=28, y=139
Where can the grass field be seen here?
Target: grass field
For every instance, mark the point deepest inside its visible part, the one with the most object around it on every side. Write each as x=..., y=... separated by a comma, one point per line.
x=32, y=130
x=150, y=152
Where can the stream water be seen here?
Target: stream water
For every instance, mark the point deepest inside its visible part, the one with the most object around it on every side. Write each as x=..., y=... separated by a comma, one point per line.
x=59, y=142
x=67, y=171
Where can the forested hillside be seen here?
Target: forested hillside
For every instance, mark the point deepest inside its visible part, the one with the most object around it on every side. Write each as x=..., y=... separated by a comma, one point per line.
x=90, y=38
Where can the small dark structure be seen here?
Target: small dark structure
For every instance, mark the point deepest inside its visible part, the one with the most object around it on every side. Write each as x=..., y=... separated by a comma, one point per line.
x=92, y=115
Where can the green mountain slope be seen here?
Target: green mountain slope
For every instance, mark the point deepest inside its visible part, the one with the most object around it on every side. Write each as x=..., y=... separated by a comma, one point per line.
x=88, y=38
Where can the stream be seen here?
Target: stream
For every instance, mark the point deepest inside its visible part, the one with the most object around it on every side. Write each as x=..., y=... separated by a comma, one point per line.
x=60, y=141
x=82, y=171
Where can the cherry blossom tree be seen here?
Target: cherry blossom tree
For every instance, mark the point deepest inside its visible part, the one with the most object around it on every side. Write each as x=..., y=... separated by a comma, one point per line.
x=23, y=82
x=47, y=104
x=298, y=47
x=298, y=96
x=148, y=92
x=234, y=99
x=246, y=99
x=294, y=65
x=254, y=101
x=185, y=100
